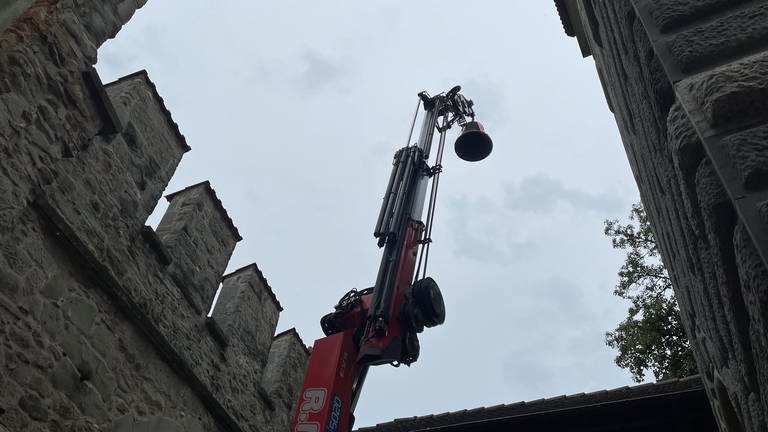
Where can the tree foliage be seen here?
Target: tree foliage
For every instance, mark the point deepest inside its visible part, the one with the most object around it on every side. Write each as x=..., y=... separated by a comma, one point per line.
x=651, y=338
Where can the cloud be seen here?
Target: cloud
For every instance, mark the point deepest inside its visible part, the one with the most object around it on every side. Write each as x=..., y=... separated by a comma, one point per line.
x=559, y=330
x=491, y=249
x=318, y=71
x=525, y=220
x=542, y=194
x=480, y=232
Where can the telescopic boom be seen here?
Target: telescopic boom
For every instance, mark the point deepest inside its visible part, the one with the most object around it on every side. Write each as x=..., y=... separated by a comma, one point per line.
x=379, y=325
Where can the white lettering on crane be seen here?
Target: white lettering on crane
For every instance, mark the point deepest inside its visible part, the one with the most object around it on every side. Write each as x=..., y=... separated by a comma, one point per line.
x=313, y=400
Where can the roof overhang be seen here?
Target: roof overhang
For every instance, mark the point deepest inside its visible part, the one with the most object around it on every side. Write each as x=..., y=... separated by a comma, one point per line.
x=573, y=24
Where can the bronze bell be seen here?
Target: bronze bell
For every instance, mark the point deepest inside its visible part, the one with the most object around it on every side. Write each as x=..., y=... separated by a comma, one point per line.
x=473, y=144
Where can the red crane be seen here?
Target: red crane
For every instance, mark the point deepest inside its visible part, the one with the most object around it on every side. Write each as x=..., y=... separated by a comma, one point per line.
x=379, y=325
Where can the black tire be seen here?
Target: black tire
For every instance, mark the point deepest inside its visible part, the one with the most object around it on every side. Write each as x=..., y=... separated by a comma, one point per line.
x=428, y=297
x=414, y=316
x=411, y=349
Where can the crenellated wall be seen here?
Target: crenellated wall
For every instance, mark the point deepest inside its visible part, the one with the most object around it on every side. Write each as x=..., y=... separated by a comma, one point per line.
x=103, y=322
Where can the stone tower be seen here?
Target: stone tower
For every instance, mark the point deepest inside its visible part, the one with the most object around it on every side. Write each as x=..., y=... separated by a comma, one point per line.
x=103, y=322
x=687, y=81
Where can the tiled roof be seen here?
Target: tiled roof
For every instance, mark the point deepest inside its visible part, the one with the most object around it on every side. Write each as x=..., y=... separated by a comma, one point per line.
x=563, y=402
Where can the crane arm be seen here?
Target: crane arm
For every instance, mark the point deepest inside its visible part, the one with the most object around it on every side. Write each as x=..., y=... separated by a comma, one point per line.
x=379, y=325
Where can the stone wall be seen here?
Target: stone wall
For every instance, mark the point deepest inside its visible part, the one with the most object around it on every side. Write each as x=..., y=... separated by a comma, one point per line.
x=103, y=321
x=688, y=83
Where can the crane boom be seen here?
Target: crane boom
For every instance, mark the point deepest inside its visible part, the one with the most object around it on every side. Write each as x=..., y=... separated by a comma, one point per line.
x=379, y=325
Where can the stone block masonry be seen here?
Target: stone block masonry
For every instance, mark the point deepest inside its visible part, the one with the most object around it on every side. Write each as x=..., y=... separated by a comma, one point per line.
x=688, y=83
x=103, y=321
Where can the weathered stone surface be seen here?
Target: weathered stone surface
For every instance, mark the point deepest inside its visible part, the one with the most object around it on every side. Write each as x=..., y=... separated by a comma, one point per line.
x=754, y=279
x=52, y=320
x=103, y=341
x=197, y=230
x=735, y=93
x=89, y=402
x=674, y=13
x=158, y=424
x=29, y=377
x=63, y=407
x=33, y=406
x=122, y=424
x=726, y=37
x=687, y=155
x=10, y=10
x=282, y=379
x=82, y=425
x=247, y=311
x=150, y=146
x=749, y=150
x=65, y=376
x=729, y=316
x=55, y=288
x=16, y=419
x=80, y=311
x=10, y=283
x=93, y=324
x=717, y=275
x=104, y=380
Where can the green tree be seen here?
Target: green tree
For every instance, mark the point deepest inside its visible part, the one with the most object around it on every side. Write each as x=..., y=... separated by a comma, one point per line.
x=651, y=338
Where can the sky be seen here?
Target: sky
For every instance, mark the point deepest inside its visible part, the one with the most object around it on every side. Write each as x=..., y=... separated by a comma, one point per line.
x=293, y=111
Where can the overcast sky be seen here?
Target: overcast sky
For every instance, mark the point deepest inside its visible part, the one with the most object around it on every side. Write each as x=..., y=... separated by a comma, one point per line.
x=293, y=111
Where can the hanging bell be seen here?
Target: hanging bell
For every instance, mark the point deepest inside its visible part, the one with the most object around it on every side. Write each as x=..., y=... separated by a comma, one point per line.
x=473, y=144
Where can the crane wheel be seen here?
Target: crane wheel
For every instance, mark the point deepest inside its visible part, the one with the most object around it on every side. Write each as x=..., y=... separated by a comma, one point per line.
x=429, y=299
x=411, y=348
x=414, y=316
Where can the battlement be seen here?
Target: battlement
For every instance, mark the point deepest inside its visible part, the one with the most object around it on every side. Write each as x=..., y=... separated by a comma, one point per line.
x=93, y=203
x=286, y=359
x=150, y=143
x=198, y=232
x=248, y=308
x=113, y=312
